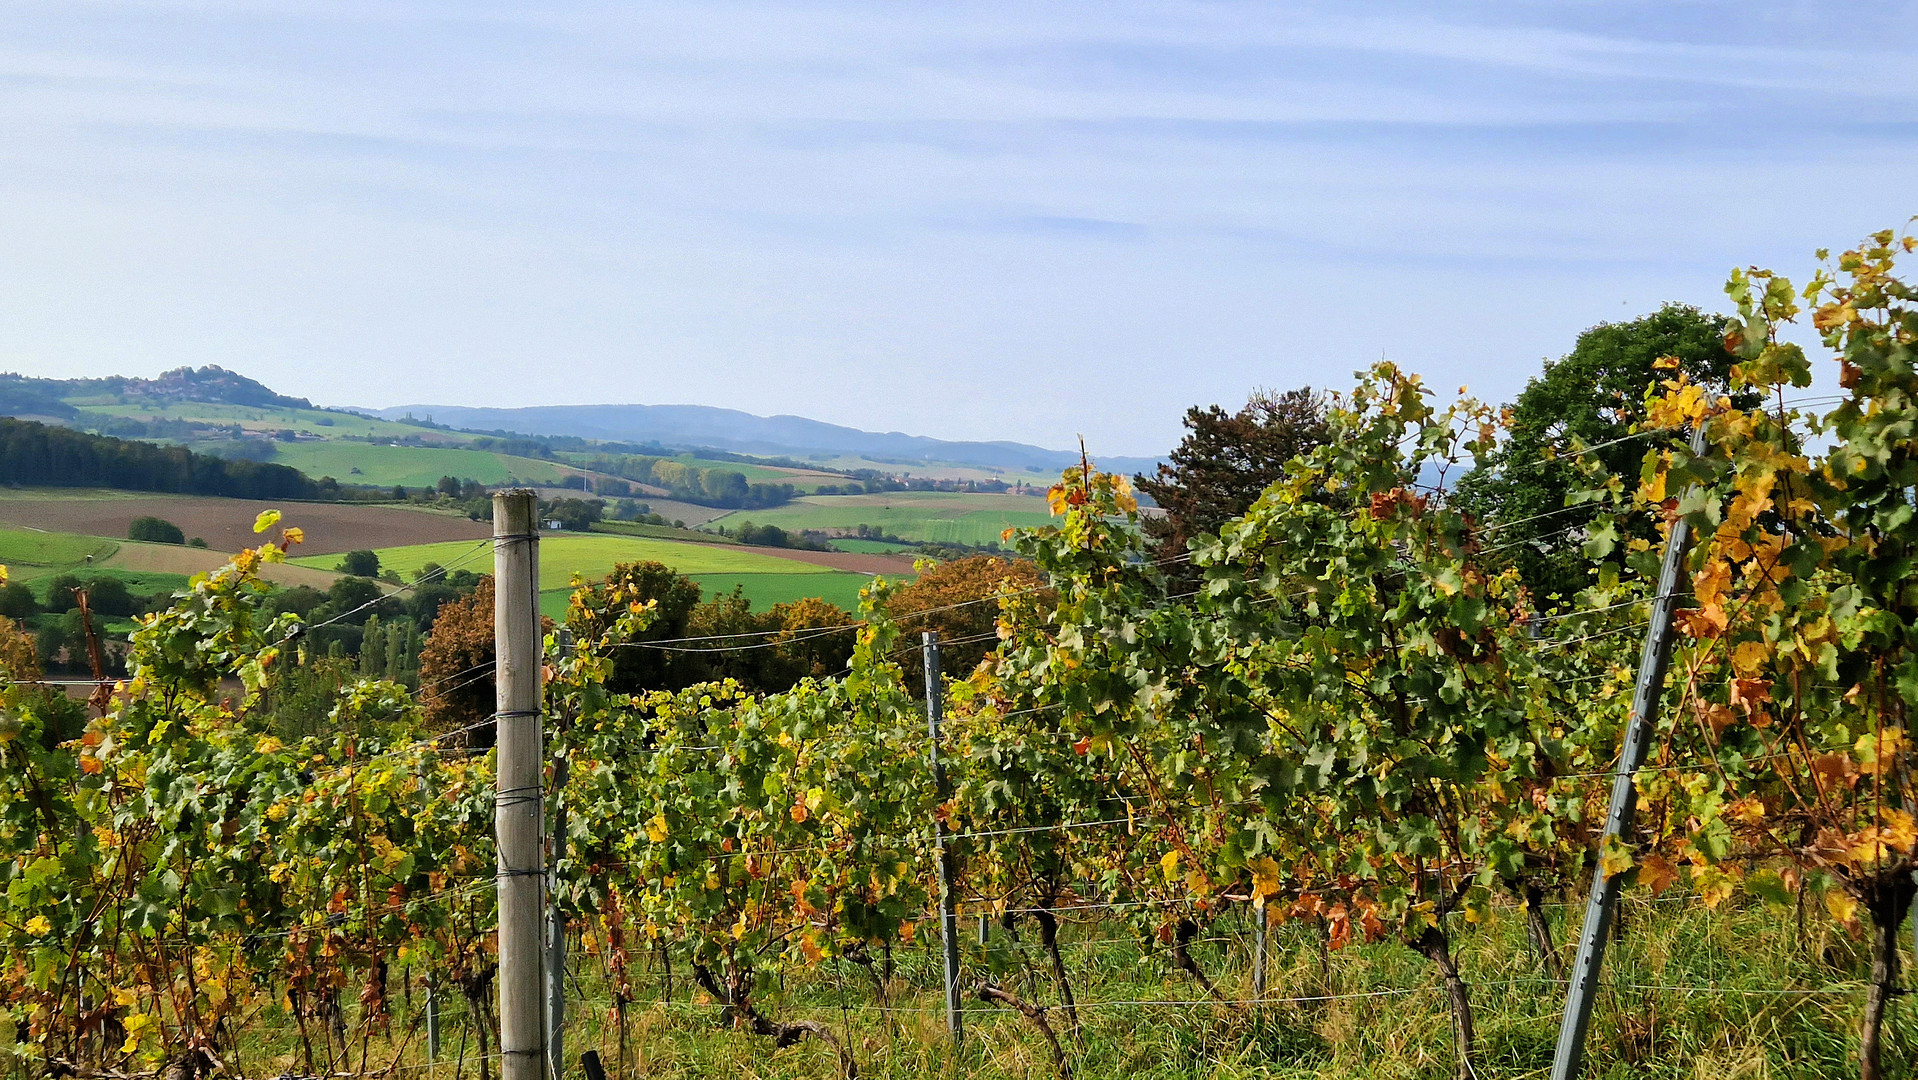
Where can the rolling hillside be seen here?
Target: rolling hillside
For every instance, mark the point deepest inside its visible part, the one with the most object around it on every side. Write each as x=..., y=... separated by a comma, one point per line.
x=938, y=516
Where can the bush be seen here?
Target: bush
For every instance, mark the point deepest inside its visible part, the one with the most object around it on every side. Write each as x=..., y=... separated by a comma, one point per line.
x=574, y=515
x=106, y=596
x=361, y=563
x=197, y=542
x=155, y=530
x=355, y=599
x=17, y=601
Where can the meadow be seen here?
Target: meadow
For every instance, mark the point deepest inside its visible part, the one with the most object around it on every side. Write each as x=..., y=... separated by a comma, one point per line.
x=718, y=567
x=413, y=466
x=268, y=418
x=939, y=516
x=227, y=524
x=31, y=553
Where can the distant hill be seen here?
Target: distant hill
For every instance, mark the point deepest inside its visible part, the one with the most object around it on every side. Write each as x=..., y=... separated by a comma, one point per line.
x=21, y=395
x=745, y=433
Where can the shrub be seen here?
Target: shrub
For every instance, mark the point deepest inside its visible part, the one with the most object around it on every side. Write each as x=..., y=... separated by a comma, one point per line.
x=17, y=601
x=154, y=530
x=361, y=563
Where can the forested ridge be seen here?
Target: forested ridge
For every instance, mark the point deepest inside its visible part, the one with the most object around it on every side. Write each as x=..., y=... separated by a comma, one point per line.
x=34, y=454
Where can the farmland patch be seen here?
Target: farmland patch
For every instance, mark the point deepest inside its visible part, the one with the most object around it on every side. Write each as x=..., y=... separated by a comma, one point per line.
x=227, y=524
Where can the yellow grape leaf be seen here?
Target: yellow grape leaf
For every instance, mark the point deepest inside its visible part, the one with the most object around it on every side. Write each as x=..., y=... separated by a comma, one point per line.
x=38, y=926
x=1841, y=905
x=1169, y=865
x=1898, y=830
x=266, y=520
x=1655, y=487
x=1879, y=750
x=1748, y=810
x=1656, y=873
x=1750, y=657
x=1265, y=877
x=1714, y=886
x=1702, y=622
x=136, y=1026
x=656, y=829
x=1614, y=857
x=294, y=534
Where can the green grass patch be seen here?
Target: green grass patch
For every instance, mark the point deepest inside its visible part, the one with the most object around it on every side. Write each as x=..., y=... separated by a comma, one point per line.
x=1688, y=993
x=28, y=554
x=413, y=466
x=268, y=418
x=755, y=474
x=590, y=555
x=870, y=547
x=661, y=532
x=940, y=516
x=765, y=590
x=138, y=582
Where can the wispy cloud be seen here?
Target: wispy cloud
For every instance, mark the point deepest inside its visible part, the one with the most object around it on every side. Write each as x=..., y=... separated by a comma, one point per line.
x=970, y=220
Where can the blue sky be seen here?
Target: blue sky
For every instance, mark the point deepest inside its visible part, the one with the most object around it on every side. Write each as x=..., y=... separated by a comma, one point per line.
x=969, y=220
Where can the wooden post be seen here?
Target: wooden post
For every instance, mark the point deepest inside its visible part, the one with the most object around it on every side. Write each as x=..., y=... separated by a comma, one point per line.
x=948, y=915
x=1640, y=731
x=519, y=795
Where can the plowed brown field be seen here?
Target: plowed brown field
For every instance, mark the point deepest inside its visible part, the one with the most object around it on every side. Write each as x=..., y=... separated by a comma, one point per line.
x=227, y=524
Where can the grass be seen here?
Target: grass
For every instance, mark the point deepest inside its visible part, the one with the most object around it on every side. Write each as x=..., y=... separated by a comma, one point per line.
x=754, y=474
x=413, y=466
x=138, y=582
x=765, y=590
x=941, y=516
x=270, y=418
x=590, y=555
x=28, y=554
x=661, y=532
x=870, y=547
x=1370, y=1012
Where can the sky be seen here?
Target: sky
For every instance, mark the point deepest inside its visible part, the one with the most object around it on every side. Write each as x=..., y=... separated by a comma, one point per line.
x=1027, y=221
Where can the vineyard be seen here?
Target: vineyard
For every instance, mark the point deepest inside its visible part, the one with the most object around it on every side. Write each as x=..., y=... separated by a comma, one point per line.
x=1322, y=795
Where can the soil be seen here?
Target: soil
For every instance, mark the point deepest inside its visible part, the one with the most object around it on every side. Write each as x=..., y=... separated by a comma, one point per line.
x=227, y=524
x=169, y=559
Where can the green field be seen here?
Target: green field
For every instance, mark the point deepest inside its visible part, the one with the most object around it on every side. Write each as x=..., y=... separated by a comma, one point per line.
x=765, y=590
x=590, y=555
x=756, y=474
x=661, y=532
x=332, y=425
x=941, y=516
x=28, y=554
x=413, y=466
x=138, y=582
x=869, y=547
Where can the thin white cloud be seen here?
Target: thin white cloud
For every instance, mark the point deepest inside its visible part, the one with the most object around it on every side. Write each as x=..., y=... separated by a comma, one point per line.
x=970, y=220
